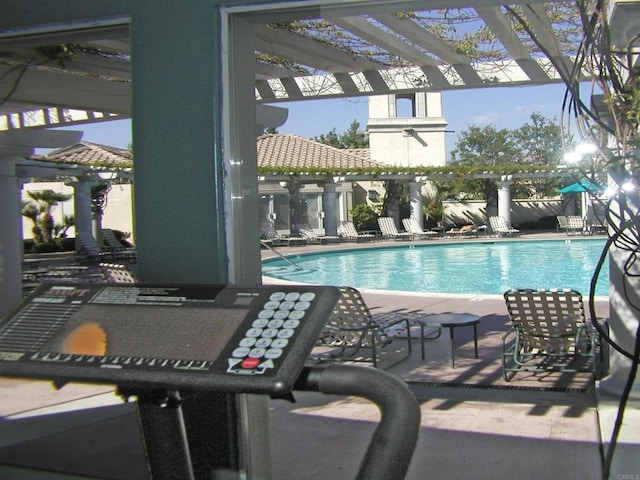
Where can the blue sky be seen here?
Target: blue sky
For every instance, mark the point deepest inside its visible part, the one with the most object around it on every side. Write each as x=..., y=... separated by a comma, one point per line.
x=507, y=107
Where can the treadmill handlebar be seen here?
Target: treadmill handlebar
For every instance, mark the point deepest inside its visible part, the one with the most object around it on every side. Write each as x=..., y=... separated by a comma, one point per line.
x=394, y=440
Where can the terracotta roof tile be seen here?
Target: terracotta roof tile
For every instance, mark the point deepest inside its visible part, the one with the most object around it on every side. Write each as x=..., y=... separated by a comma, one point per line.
x=285, y=150
x=86, y=153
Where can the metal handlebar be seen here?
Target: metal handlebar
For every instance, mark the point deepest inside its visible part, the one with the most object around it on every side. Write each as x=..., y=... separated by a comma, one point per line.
x=394, y=440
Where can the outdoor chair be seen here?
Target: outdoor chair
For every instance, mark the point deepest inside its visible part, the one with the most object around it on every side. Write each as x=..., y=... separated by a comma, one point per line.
x=562, y=224
x=501, y=228
x=117, y=273
x=87, y=248
x=411, y=225
x=390, y=231
x=113, y=245
x=464, y=231
x=576, y=225
x=347, y=231
x=269, y=236
x=351, y=329
x=306, y=231
x=549, y=332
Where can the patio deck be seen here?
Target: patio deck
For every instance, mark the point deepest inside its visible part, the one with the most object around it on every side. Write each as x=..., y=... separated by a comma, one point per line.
x=474, y=425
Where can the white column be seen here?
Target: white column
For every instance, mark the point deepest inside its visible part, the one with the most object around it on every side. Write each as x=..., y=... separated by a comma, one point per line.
x=624, y=296
x=415, y=199
x=330, y=208
x=504, y=198
x=10, y=236
x=82, y=207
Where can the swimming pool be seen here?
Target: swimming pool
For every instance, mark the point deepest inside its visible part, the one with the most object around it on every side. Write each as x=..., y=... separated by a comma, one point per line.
x=458, y=268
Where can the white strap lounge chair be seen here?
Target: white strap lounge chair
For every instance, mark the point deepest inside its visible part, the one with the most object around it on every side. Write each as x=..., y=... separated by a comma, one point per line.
x=390, y=231
x=347, y=231
x=411, y=225
x=549, y=332
x=306, y=231
x=351, y=329
x=501, y=228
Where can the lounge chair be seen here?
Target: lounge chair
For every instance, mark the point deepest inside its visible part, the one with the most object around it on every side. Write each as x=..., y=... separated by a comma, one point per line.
x=270, y=236
x=411, y=225
x=390, y=231
x=464, y=231
x=501, y=228
x=87, y=248
x=351, y=328
x=117, y=273
x=549, y=332
x=306, y=231
x=562, y=224
x=576, y=225
x=347, y=231
x=117, y=249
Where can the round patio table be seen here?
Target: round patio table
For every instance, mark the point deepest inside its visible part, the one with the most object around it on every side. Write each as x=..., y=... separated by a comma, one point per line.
x=450, y=321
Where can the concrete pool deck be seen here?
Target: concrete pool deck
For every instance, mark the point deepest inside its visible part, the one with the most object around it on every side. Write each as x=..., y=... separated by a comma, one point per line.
x=474, y=425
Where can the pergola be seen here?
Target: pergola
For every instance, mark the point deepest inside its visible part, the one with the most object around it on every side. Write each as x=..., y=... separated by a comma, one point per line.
x=190, y=75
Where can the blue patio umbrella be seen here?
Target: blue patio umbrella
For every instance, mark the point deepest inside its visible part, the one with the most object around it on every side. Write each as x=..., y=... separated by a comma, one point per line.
x=581, y=186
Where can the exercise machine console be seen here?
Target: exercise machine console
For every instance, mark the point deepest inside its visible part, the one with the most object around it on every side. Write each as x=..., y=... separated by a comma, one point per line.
x=155, y=341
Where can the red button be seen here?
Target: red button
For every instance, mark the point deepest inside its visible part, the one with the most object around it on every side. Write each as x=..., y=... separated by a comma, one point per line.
x=250, y=362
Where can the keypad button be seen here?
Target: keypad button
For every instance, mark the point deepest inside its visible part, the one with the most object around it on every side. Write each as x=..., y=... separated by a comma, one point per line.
x=254, y=332
x=287, y=305
x=279, y=343
x=263, y=342
x=272, y=305
x=307, y=297
x=281, y=314
x=302, y=306
x=291, y=323
x=247, y=342
x=260, y=323
x=277, y=323
x=273, y=353
x=269, y=332
x=240, y=352
x=250, y=363
x=277, y=296
x=291, y=296
x=257, y=352
x=285, y=333
x=268, y=313
x=296, y=314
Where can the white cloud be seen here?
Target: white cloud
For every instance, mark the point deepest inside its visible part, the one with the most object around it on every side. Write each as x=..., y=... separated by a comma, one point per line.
x=486, y=118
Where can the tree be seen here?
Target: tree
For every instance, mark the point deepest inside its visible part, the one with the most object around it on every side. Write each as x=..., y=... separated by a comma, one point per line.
x=483, y=146
x=39, y=211
x=352, y=138
x=541, y=143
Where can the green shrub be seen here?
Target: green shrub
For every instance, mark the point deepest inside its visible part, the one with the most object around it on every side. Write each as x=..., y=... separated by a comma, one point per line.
x=364, y=217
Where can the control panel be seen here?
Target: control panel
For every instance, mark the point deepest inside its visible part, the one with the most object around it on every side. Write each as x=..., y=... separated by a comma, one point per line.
x=229, y=338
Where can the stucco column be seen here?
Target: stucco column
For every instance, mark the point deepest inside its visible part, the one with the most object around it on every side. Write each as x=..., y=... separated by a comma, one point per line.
x=10, y=236
x=82, y=207
x=504, y=198
x=624, y=297
x=330, y=208
x=415, y=199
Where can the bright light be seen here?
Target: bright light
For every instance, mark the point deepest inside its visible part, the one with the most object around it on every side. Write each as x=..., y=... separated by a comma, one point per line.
x=586, y=148
x=572, y=157
x=628, y=187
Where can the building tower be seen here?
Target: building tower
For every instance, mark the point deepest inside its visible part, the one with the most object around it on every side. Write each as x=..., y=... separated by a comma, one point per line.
x=407, y=129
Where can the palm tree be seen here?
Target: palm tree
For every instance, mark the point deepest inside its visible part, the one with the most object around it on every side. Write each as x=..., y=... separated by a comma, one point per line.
x=39, y=212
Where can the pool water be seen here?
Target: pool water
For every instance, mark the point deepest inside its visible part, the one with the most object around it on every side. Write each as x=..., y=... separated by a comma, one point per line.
x=462, y=268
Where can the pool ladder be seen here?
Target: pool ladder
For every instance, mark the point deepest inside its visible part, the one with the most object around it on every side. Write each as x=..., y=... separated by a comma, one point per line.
x=291, y=262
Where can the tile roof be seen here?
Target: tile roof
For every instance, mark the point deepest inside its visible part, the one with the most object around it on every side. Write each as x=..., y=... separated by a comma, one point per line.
x=87, y=153
x=286, y=150
x=274, y=150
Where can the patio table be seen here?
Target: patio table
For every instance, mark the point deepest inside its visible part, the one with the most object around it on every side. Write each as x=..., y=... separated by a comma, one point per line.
x=450, y=321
